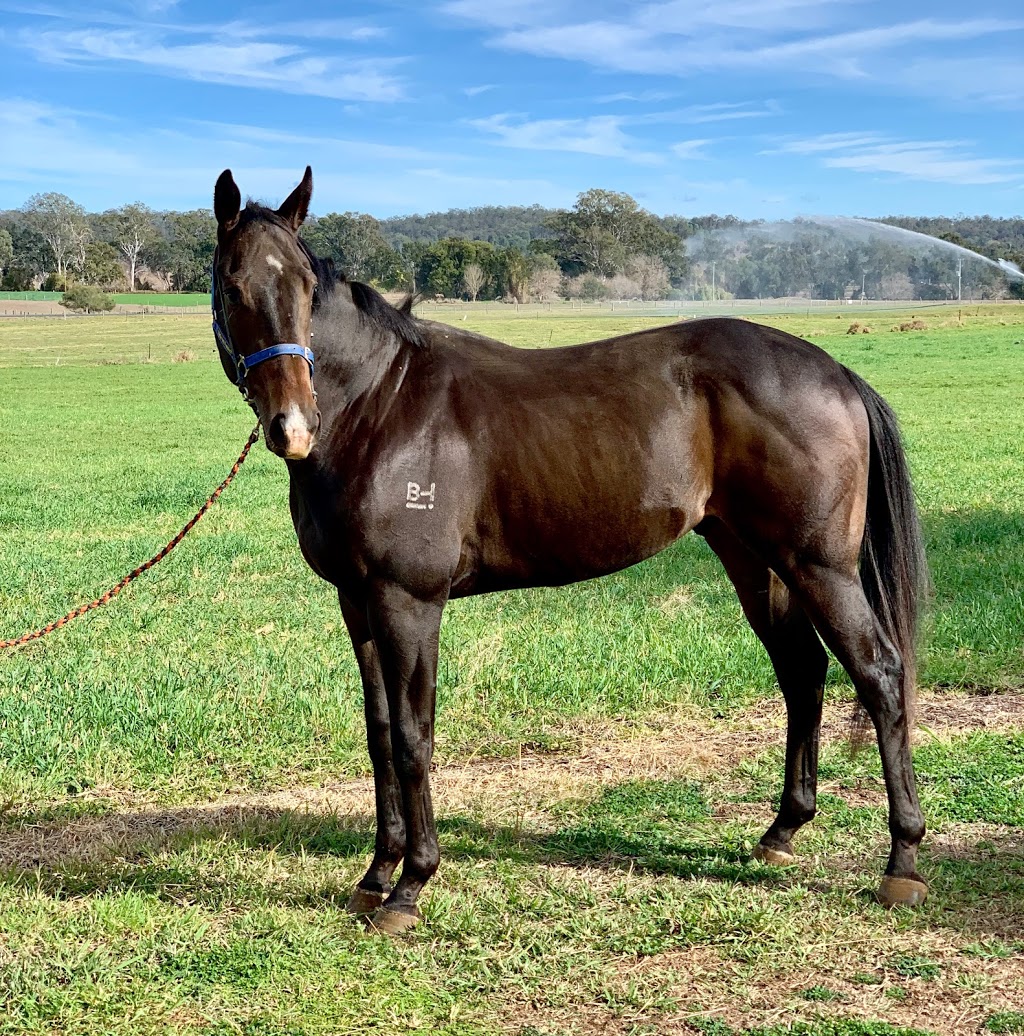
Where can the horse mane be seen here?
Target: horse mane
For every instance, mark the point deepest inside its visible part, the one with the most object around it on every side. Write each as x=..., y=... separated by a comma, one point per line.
x=372, y=306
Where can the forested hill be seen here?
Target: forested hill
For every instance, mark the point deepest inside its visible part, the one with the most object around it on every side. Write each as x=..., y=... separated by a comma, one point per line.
x=518, y=225
x=501, y=226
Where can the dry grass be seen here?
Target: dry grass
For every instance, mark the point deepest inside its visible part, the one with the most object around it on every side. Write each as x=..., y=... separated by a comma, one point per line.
x=665, y=748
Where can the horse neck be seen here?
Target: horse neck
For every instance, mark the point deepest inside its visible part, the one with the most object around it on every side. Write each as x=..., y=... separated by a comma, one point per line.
x=359, y=365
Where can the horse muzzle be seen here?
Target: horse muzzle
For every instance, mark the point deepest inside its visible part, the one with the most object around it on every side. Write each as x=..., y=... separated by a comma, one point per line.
x=291, y=434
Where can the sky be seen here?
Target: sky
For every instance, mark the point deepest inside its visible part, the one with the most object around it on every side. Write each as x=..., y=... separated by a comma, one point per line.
x=765, y=109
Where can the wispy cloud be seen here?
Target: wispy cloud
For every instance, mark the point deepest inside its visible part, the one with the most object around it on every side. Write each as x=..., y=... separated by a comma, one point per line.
x=993, y=80
x=697, y=114
x=277, y=57
x=82, y=152
x=475, y=91
x=597, y=135
x=285, y=67
x=635, y=96
x=690, y=148
x=936, y=161
x=684, y=38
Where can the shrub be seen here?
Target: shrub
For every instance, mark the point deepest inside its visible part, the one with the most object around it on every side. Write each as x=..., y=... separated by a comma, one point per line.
x=185, y=356
x=87, y=298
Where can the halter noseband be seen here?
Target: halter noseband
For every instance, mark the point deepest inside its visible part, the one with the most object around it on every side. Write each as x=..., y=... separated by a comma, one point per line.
x=241, y=365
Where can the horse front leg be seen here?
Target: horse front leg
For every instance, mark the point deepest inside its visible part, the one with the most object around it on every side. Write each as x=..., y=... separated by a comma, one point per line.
x=389, y=844
x=405, y=630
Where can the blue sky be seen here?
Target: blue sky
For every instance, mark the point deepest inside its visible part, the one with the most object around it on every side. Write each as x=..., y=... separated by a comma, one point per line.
x=762, y=108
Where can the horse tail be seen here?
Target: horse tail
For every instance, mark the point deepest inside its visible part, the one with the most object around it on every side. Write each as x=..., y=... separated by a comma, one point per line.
x=893, y=568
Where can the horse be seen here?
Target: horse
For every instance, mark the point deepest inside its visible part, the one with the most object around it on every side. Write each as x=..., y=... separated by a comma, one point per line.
x=428, y=463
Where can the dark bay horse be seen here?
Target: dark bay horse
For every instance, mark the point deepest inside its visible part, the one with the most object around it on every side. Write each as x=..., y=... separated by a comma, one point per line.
x=428, y=463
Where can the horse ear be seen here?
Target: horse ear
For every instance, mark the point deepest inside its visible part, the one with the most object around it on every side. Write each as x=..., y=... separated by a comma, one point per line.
x=227, y=200
x=296, y=205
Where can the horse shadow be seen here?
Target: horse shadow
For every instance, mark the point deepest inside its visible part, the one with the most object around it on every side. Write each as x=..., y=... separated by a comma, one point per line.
x=978, y=889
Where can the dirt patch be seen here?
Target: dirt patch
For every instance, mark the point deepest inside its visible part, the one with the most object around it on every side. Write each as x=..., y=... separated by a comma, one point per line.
x=916, y=981
x=519, y=791
x=30, y=308
x=954, y=996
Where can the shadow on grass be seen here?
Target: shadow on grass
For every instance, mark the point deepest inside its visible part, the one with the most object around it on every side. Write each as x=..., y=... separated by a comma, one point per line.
x=977, y=890
x=163, y=852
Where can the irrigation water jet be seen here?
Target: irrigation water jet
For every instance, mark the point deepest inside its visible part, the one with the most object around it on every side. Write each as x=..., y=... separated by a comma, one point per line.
x=851, y=228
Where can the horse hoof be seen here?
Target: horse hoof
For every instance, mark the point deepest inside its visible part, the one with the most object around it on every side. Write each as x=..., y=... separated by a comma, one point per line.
x=893, y=891
x=393, y=922
x=773, y=857
x=364, y=901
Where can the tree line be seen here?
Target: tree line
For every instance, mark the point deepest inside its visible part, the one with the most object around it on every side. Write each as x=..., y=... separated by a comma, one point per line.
x=605, y=246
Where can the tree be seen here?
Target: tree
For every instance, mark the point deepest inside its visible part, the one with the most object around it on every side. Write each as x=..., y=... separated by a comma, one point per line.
x=605, y=229
x=650, y=275
x=191, y=239
x=439, y=268
x=514, y=273
x=355, y=242
x=544, y=283
x=87, y=298
x=473, y=280
x=131, y=229
x=623, y=287
x=32, y=255
x=102, y=266
x=62, y=224
x=6, y=250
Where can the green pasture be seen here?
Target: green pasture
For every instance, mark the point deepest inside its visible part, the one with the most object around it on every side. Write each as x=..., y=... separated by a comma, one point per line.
x=125, y=298
x=558, y=908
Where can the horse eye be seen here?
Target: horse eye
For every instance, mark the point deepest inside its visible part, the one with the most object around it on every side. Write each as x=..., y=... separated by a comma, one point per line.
x=233, y=295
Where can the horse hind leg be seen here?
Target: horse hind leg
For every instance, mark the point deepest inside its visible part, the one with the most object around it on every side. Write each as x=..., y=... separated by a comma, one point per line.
x=800, y=665
x=840, y=610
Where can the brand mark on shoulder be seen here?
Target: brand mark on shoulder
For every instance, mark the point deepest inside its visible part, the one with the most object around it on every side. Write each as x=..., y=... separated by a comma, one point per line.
x=417, y=497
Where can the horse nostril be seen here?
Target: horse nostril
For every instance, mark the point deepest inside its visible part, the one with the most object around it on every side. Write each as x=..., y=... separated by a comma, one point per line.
x=276, y=431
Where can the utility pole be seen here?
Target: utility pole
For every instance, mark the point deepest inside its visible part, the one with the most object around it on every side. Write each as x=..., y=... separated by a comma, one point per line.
x=959, y=275
x=712, y=280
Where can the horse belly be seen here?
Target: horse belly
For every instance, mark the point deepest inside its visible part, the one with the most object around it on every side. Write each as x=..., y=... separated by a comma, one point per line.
x=603, y=513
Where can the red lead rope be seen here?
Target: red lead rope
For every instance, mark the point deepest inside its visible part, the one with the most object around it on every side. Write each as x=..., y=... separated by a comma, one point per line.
x=145, y=566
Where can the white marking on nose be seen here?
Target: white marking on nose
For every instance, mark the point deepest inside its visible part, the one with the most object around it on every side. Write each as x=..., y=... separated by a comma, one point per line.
x=297, y=435
x=275, y=263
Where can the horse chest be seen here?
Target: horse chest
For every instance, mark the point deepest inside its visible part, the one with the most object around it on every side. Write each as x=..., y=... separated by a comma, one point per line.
x=314, y=516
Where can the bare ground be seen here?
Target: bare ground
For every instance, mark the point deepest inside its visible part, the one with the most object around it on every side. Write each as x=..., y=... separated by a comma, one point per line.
x=850, y=976
x=523, y=787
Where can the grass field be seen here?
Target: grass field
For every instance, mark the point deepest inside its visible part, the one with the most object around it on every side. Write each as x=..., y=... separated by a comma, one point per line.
x=184, y=772
x=126, y=298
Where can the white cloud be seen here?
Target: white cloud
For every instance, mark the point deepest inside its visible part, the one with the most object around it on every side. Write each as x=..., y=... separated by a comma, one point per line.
x=690, y=148
x=935, y=161
x=686, y=37
x=104, y=162
x=697, y=114
x=993, y=80
x=597, y=135
x=475, y=91
x=225, y=58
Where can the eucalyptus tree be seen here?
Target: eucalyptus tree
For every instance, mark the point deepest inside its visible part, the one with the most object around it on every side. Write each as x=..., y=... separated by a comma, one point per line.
x=63, y=225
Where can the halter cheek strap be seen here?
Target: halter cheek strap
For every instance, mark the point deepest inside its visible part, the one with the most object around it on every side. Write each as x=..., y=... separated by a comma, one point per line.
x=241, y=365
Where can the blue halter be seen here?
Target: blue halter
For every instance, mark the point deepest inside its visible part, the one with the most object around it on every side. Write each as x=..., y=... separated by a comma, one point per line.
x=241, y=365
